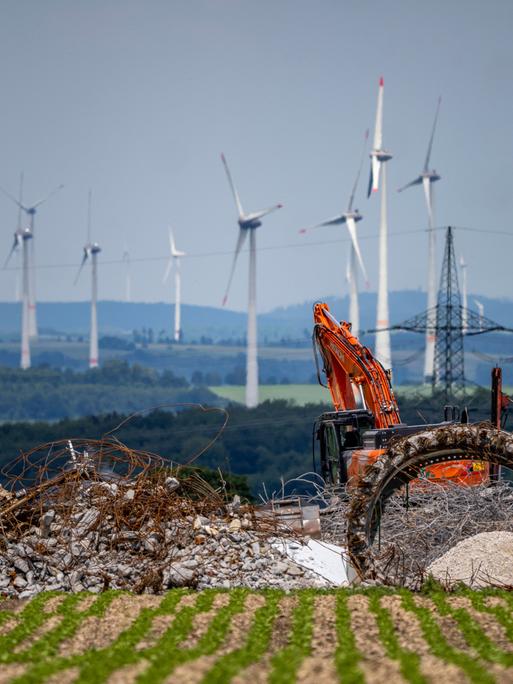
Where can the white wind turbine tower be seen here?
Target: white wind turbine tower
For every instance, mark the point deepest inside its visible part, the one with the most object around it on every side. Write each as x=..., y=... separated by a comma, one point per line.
x=23, y=237
x=126, y=260
x=248, y=223
x=426, y=179
x=31, y=211
x=379, y=157
x=91, y=250
x=464, y=295
x=349, y=218
x=174, y=260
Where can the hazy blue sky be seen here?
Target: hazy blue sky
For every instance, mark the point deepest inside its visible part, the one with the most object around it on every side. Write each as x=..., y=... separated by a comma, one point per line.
x=137, y=100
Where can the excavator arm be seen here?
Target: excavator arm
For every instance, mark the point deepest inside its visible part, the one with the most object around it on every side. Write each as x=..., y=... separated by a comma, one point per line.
x=351, y=370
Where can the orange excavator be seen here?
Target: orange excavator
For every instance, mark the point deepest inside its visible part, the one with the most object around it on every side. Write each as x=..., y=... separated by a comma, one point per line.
x=366, y=416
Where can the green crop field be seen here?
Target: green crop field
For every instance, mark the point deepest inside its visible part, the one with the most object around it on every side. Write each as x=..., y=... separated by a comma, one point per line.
x=299, y=394
x=217, y=636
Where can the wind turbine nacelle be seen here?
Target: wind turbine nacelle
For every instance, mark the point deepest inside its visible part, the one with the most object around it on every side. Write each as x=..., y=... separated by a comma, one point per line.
x=95, y=248
x=355, y=215
x=249, y=224
x=432, y=175
x=382, y=155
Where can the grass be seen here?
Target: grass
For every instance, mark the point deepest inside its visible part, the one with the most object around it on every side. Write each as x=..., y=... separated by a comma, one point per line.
x=299, y=394
x=480, y=661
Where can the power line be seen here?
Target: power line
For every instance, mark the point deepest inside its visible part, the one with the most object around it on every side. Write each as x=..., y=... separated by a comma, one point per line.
x=201, y=255
x=270, y=248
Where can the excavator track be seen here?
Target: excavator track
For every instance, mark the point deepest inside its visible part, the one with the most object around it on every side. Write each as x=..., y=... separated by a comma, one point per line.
x=404, y=461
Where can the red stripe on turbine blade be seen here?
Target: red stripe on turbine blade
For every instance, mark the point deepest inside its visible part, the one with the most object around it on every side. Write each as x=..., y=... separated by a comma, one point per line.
x=381, y=82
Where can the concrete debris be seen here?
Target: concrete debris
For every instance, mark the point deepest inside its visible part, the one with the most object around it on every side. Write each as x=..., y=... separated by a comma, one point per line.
x=483, y=560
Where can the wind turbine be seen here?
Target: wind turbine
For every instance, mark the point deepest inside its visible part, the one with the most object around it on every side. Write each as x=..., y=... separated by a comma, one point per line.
x=31, y=211
x=426, y=179
x=379, y=156
x=91, y=250
x=350, y=218
x=126, y=260
x=248, y=223
x=464, y=296
x=174, y=259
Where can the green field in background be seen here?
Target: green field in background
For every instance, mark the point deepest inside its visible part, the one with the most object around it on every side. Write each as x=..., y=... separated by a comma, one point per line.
x=300, y=394
x=312, y=394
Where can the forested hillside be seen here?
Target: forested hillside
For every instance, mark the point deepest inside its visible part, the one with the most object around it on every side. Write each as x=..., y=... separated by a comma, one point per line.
x=50, y=394
x=264, y=444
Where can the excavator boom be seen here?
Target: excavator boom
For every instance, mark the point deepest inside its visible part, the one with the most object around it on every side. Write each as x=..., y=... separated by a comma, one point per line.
x=351, y=370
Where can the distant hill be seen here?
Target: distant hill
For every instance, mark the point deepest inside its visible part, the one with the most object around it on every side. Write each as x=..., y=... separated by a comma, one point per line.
x=293, y=322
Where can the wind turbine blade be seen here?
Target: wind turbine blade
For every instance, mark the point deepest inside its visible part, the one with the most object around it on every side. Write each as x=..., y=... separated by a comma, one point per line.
x=84, y=259
x=50, y=194
x=260, y=214
x=12, y=198
x=371, y=182
x=429, y=199
x=13, y=249
x=168, y=270
x=240, y=242
x=417, y=181
x=20, y=201
x=338, y=220
x=428, y=155
x=172, y=246
x=374, y=175
x=351, y=199
x=232, y=186
x=351, y=227
x=348, y=266
x=378, y=128
x=89, y=202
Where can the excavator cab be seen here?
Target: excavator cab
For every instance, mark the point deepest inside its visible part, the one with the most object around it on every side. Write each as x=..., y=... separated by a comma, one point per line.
x=339, y=434
x=349, y=442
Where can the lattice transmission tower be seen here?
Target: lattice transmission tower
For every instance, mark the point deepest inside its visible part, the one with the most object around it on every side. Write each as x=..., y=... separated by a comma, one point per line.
x=449, y=363
x=453, y=322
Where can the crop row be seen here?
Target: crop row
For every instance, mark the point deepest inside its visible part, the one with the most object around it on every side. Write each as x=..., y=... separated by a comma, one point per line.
x=373, y=635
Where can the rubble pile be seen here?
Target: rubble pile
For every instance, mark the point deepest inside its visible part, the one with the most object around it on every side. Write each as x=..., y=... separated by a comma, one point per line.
x=88, y=528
